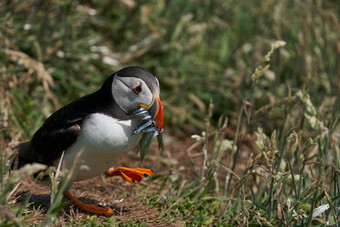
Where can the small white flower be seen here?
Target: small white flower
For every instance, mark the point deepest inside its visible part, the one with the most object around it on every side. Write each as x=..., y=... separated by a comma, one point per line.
x=27, y=27
x=60, y=54
x=84, y=167
x=196, y=137
x=110, y=61
x=100, y=49
x=92, y=12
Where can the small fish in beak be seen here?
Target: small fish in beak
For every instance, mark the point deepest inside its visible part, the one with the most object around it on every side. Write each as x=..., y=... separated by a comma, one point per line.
x=153, y=125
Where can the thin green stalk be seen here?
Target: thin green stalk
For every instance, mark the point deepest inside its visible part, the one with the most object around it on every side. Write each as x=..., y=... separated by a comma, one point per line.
x=293, y=180
x=206, y=140
x=2, y=167
x=309, y=220
x=232, y=156
x=277, y=199
x=233, y=167
x=271, y=197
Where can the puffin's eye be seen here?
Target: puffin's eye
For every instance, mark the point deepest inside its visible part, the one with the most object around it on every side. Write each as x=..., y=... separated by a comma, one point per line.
x=138, y=89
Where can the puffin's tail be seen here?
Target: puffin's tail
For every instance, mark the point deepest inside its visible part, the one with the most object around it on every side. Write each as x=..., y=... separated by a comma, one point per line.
x=19, y=161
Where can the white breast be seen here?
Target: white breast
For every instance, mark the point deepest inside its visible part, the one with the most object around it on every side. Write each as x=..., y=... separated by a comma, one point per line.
x=102, y=142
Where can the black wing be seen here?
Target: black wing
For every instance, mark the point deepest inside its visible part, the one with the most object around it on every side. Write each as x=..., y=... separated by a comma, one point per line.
x=48, y=143
x=63, y=127
x=57, y=133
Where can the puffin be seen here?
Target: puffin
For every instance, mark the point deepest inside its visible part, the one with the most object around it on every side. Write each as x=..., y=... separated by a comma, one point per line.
x=91, y=134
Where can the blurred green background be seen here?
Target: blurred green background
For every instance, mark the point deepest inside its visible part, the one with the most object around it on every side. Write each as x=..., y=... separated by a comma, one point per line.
x=199, y=50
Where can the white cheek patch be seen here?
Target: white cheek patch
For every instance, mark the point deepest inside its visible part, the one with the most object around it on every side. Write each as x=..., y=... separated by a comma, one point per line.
x=126, y=98
x=157, y=84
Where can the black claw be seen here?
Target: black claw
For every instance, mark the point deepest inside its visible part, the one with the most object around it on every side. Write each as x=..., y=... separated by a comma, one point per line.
x=133, y=181
x=146, y=175
x=116, y=212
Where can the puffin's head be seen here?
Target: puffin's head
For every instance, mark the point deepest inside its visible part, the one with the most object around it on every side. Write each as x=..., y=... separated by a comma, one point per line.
x=134, y=87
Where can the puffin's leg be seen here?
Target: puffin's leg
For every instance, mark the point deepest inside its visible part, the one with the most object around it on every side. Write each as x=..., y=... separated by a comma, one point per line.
x=131, y=175
x=90, y=208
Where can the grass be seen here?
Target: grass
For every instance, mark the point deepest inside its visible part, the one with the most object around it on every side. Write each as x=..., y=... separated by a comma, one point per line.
x=221, y=71
x=282, y=185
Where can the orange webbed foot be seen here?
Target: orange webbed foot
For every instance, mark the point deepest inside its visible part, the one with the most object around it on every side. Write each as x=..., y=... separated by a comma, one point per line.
x=132, y=175
x=90, y=208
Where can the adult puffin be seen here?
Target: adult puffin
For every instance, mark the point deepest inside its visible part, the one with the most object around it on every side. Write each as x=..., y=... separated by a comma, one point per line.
x=95, y=131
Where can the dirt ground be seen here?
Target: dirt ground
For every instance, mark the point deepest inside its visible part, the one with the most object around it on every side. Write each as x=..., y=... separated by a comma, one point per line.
x=127, y=199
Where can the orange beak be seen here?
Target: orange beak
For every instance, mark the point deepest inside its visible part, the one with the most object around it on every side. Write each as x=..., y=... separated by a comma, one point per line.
x=156, y=112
